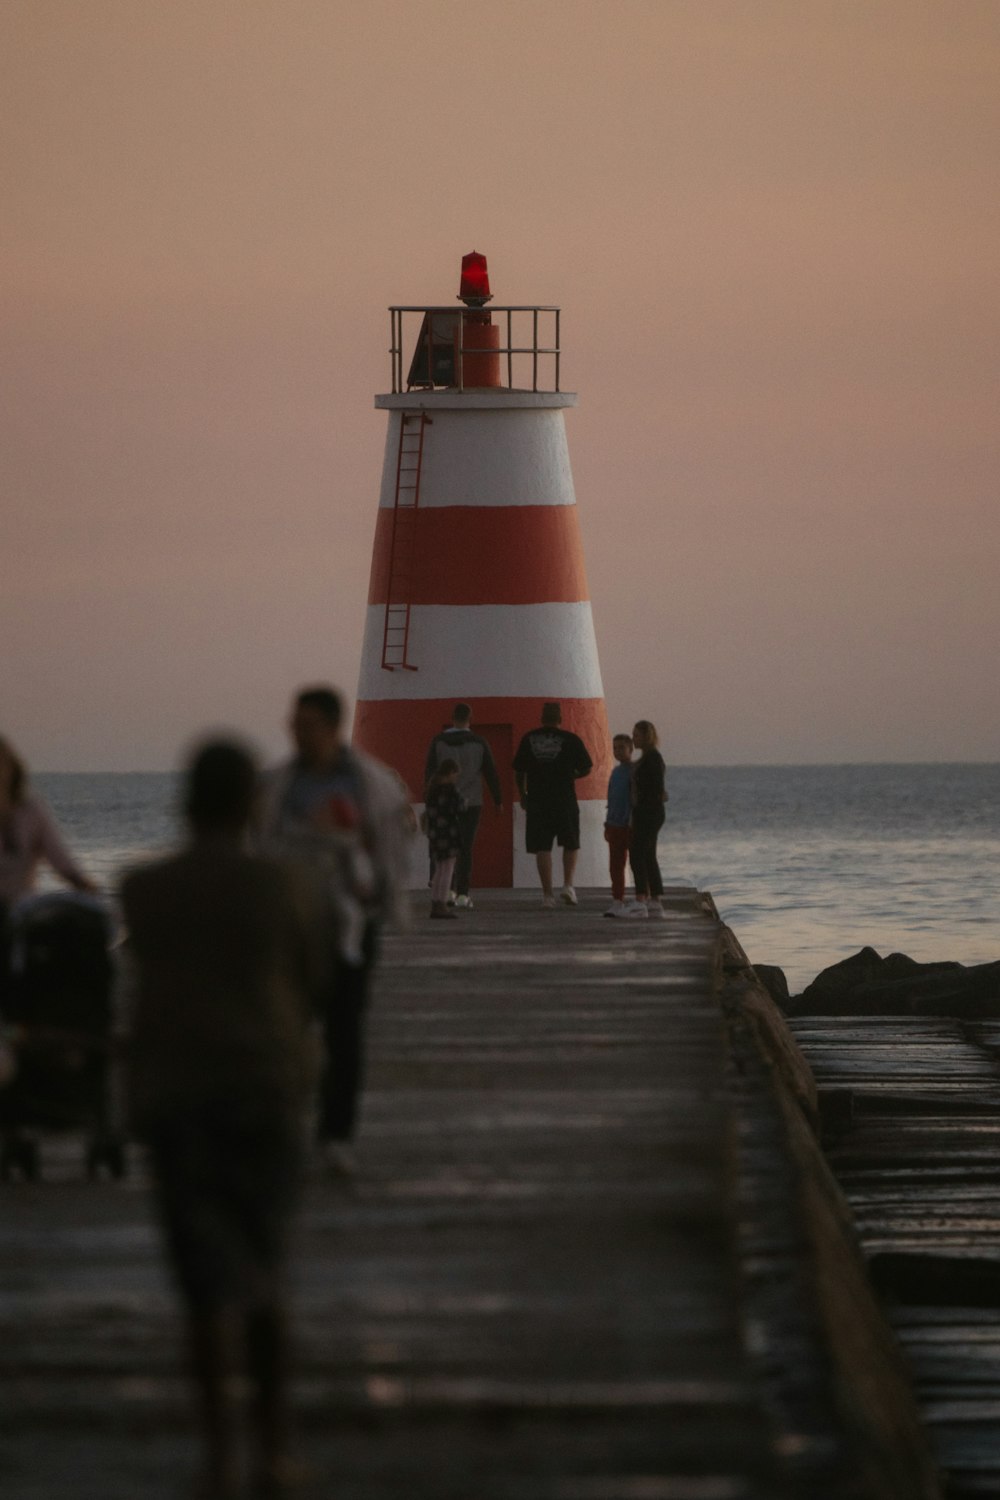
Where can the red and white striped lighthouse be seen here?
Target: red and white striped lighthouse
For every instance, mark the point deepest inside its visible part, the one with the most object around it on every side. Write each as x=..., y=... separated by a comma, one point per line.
x=478, y=590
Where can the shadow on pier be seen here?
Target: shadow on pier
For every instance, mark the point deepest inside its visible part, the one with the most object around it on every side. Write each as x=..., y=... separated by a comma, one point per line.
x=587, y=1254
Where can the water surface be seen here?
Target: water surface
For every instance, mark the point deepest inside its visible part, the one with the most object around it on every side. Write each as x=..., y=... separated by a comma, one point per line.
x=806, y=863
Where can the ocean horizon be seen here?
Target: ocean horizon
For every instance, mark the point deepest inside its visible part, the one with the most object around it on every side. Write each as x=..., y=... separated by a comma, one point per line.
x=806, y=862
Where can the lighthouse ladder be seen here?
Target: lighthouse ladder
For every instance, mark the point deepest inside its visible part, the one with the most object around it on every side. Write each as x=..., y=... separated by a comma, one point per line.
x=409, y=461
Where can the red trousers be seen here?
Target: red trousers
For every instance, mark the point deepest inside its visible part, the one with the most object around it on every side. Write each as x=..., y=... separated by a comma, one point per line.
x=617, y=856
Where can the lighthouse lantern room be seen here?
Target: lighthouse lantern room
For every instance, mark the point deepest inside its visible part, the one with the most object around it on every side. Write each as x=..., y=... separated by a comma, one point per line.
x=478, y=591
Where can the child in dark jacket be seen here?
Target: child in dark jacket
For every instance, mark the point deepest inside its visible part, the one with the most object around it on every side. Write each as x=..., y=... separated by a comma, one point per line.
x=618, y=820
x=443, y=803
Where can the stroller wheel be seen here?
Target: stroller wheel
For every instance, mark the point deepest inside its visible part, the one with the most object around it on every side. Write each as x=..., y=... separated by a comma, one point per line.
x=107, y=1154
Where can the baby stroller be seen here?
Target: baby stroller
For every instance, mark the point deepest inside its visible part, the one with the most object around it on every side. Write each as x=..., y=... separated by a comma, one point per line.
x=57, y=1008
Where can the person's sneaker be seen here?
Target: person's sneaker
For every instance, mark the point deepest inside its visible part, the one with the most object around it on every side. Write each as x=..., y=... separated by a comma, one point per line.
x=616, y=909
x=549, y=900
x=567, y=896
x=463, y=903
x=654, y=909
x=452, y=898
x=637, y=909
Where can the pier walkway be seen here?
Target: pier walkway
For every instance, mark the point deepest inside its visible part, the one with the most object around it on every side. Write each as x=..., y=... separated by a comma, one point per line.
x=550, y=1279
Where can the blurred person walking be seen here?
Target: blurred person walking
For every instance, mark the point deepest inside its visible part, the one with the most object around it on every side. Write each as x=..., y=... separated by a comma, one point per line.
x=29, y=836
x=225, y=966
x=328, y=787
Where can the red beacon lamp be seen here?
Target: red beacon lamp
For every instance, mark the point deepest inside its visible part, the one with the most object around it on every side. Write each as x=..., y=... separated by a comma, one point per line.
x=477, y=341
x=474, y=288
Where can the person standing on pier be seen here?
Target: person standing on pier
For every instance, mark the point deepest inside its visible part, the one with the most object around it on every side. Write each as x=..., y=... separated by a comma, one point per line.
x=28, y=836
x=617, y=821
x=649, y=796
x=307, y=803
x=225, y=964
x=476, y=766
x=548, y=763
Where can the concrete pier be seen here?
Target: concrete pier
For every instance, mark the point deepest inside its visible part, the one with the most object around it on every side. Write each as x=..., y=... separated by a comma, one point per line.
x=590, y=1253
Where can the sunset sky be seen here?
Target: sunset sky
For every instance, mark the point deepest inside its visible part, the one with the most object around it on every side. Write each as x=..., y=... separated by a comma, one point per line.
x=774, y=230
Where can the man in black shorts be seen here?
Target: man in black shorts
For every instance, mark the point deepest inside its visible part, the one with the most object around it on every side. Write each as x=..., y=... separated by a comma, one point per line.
x=548, y=762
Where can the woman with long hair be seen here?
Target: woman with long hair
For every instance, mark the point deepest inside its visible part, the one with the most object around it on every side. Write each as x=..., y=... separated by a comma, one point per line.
x=649, y=794
x=28, y=836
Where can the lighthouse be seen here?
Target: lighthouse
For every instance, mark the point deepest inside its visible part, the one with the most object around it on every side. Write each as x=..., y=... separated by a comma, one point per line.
x=478, y=590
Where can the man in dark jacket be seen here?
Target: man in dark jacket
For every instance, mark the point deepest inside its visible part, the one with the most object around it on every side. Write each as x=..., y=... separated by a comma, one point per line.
x=475, y=765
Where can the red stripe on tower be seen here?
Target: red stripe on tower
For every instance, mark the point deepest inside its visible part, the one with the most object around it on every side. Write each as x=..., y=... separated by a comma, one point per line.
x=478, y=588
x=466, y=554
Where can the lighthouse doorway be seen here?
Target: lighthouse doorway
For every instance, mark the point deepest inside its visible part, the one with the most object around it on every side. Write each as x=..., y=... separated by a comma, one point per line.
x=493, y=860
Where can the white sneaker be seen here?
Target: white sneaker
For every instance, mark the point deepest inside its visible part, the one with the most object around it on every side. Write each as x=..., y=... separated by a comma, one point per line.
x=616, y=909
x=568, y=896
x=637, y=909
x=452, y=898
x=463, y=903
x=549, y=900
x=654, y=909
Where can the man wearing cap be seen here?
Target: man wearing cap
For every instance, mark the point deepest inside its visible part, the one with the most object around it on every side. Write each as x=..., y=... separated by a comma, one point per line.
x=548, y=763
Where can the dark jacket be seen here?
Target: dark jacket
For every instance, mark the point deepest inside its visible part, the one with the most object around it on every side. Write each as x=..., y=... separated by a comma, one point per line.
x=649, y=788
x=475, y=764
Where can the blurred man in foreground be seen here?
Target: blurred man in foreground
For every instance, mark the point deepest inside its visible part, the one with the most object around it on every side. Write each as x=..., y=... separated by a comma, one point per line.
x=226, y=968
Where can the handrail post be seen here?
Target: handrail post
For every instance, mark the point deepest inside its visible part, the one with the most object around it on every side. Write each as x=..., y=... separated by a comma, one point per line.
x=534, y=348
x=510, y=356
x=558, y=348
x=394, y=349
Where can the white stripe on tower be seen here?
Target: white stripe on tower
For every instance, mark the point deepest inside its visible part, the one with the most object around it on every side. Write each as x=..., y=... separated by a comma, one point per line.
x=470, y=458
x=496, y=650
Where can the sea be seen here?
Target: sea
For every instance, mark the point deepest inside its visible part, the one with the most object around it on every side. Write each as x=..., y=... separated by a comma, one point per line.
x=807, y=864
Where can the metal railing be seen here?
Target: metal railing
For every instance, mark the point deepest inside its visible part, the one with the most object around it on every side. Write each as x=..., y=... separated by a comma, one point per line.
x=437, y=352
